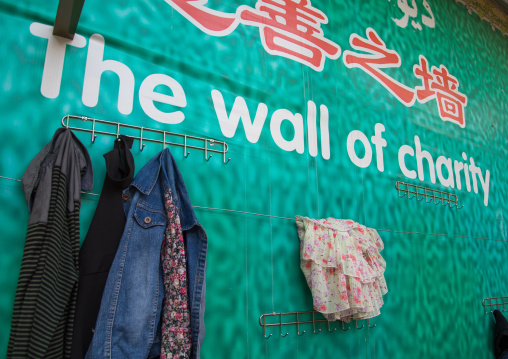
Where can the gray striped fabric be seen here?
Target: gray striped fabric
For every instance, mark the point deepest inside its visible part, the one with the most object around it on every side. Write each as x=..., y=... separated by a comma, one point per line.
x=45, y=300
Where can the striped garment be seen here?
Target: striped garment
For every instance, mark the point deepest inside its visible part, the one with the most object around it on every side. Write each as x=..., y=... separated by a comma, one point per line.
x=45, y=301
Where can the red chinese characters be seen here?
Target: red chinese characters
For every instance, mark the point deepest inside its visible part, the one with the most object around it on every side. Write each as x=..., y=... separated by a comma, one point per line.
x=436, y=84
x=439, y=84
x=291, y=29
x=378, y=56
x=212, y=22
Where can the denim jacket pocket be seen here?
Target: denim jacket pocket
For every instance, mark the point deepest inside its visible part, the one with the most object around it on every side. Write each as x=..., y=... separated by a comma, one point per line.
x=147, y=218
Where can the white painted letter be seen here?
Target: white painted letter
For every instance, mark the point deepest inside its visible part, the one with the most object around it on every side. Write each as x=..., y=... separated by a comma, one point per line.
x=228, y=124
x=95, y=66
x=351, y=139
x=55, y=55
x=147, y=97
x=447, y=182
x=403, y=151
x=325, y=137
x=420, y=155
x=485, y=186
x=298, y=141
x=379, y=142
x=458, y=167
x=312, y=131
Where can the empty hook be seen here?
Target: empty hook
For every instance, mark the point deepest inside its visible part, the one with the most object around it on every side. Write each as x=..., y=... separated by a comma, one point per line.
x=185, y=152
x=94, y=136
x=314, y=324
x=345, y=329
x=368, y=324
x=206, y=151
x=281, y=327
x=141, y=145
x=264, y=326
x=331, y=331
x=224, y=150
x=298, y=323
x=356, y=325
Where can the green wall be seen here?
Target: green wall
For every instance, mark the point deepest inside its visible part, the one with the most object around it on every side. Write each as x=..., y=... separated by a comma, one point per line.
x=441, y=261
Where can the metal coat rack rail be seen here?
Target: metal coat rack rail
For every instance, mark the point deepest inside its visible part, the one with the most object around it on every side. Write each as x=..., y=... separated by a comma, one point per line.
x=297, y=320
x=209, y=145
x=429, y=194
x=497, y=302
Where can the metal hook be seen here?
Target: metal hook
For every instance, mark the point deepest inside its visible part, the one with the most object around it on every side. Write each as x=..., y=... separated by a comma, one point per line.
x=206, y=151
x=330, y=331
x=345, y=329
x=67, y=125
x=437, y=204
x=117, y=130
x=368, y=324
x=314, y=324
x=298, y=323
x=141, y=145
x=356, y=325
x=264, y=326
x=397, y=187
x=185, y=152
x=164, y=140
x=224, y=150
x=281, y=327
x=94, y=136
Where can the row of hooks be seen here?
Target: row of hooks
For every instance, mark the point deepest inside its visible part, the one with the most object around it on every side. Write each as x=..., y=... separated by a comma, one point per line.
x=499, y=302
x=223, y=147
x=430, y=195
x=298, y=322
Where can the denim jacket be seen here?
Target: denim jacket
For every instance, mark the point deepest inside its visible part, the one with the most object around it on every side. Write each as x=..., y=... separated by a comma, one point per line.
x=128, y=324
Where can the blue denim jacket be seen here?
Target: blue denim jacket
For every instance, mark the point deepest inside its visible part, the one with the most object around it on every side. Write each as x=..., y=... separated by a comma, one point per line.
x=128, y=325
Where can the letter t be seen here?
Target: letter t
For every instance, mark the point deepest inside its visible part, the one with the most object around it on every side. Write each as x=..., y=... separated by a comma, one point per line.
x=55, y=55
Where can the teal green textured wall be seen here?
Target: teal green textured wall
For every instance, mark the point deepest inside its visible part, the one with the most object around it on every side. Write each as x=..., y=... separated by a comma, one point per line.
x=436, y=282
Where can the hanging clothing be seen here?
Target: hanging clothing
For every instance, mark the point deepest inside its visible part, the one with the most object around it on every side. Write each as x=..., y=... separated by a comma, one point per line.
x=44, y=305
x=500, y=335
x=343, y=268
x=129, y=324
x=101, y=242
x=175, y=325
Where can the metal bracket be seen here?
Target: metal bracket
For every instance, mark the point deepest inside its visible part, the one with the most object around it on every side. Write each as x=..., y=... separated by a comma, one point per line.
x=67, y=18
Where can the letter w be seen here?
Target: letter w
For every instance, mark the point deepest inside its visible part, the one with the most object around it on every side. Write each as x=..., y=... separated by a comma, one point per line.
x=228, y=124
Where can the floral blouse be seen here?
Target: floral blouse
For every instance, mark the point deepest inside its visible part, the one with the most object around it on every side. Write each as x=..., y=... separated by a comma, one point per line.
x=176, y=327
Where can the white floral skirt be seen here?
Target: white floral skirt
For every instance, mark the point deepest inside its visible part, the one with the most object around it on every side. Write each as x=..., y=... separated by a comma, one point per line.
x=342, y=265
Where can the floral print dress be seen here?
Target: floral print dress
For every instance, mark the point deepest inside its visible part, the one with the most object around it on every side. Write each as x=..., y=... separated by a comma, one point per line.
x=342, y=265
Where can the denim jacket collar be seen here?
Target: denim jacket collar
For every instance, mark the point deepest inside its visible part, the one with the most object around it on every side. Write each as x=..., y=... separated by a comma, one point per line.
x=146, y=180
